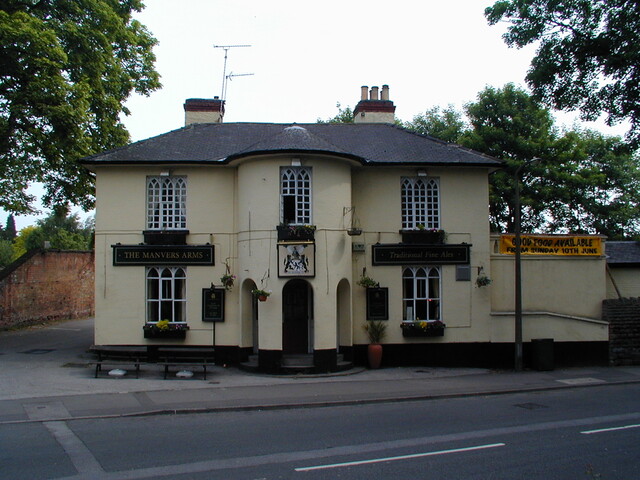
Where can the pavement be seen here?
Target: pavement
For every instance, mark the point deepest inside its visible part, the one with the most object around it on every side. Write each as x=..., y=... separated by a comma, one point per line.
x=46, y=375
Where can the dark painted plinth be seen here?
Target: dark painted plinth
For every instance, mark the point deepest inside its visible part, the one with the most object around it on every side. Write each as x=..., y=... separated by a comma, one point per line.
x=269, y=360
x=325, y=361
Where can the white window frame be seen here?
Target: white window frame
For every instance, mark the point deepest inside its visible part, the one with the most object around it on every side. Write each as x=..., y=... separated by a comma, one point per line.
x=420, y=203
x=295, y=194
x=166, y=294
x=167, y=203
x=421, y=294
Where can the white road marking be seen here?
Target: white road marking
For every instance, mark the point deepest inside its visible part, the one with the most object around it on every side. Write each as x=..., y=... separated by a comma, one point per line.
x=401, y=457
x=612, y=429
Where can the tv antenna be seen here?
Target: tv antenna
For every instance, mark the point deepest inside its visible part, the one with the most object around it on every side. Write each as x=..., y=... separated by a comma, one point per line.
x=225, y=77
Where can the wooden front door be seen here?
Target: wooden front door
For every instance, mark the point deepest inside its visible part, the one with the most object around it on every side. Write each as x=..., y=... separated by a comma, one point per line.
x=295, y=317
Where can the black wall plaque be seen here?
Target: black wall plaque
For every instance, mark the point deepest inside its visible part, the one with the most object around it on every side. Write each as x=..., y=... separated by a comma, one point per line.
x=378, y=303
x=401, y=254
x=124, y=255
x=213, y=304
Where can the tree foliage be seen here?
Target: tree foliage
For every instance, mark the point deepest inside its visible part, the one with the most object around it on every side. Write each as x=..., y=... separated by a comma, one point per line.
x=571, y=181
x=61, y=231
x=588, y=54
x=344, y=115
x=66, y=68
x=446, y=124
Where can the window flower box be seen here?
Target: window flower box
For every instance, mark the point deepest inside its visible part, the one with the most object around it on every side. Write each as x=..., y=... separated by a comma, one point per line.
x=296, y=232
x=424, y=236
x=165, y=329
x=422, y=328
x=165, y=237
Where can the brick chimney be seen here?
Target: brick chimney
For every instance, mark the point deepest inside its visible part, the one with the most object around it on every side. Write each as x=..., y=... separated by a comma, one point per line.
x=370, y=109
x=203, y=110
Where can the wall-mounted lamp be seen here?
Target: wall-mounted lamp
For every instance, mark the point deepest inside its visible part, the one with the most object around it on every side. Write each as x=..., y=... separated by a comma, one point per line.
x=295, y=162
x=422, y=173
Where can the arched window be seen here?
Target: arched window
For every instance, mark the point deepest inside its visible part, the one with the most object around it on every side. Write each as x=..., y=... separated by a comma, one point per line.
x=166, y=294
x=421, y=293
x=295, y=196
x=420, y=203
x=166, y=203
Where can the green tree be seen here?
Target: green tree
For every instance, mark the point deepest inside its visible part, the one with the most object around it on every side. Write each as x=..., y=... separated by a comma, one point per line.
x=446, y=124
x=59, y=229
x=344, y=116
x=9, y=232
x=588, y=54
x=6, y=253
x=67, y=68
x=510, y=125
x=583, y=182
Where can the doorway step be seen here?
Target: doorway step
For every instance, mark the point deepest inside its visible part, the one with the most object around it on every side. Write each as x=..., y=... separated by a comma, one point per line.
x=296, y=364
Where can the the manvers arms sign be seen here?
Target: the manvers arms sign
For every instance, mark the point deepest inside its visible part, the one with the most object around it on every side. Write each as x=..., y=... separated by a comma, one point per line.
x=553, y=245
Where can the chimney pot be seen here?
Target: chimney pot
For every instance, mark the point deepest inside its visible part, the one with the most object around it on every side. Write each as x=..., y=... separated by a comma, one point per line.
x=364, y=92
x=374, y=93
x=384, y=95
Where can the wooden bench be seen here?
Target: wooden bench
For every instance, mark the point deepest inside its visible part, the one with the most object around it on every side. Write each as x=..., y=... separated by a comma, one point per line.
x=119, y=356
x=185, y=357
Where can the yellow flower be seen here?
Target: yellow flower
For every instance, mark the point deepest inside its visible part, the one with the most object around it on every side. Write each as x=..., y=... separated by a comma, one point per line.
x=163, y=325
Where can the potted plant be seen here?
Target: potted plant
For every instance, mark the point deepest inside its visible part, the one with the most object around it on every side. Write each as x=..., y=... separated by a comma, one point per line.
x=421, y=234
x=376, y=330
x=165, y=329
x=483, y=281
x=367, y=282
x=422, y=328
x=261, y=294
x=227, y=281
x=296, y=232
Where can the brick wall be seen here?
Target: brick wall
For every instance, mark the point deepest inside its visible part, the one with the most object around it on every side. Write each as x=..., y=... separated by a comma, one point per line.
x=623, y=316
x=46, y=285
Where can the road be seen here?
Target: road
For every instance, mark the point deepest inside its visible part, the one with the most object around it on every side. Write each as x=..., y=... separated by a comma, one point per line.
x=583, y=433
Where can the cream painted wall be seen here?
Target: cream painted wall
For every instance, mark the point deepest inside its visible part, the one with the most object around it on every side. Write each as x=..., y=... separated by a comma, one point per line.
x=258, y=215
x=377, y=196
x=561, y=297
x=121, y=218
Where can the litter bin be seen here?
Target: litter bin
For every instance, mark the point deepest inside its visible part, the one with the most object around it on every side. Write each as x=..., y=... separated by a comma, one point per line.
x=542, y=354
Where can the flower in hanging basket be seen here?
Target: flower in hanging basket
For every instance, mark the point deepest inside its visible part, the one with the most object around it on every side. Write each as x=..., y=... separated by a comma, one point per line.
x=483, y=281
x=368, y=282
x=227, y=281
x=261, y=294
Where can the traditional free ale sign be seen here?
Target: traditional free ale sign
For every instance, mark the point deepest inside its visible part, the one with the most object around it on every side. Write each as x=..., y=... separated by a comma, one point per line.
x=127, y=255
x=408, y=254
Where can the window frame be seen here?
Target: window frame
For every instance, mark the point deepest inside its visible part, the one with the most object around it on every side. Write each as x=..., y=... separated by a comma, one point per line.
x=420, y=202
x=422, y=290
x=174, y=297
x=294, y=185
x=166, y=202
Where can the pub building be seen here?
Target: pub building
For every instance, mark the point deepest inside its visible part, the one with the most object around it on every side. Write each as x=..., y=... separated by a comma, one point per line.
x=255, y=239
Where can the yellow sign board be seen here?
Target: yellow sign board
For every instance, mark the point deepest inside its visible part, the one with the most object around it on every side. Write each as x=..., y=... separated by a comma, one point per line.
x=584, y=245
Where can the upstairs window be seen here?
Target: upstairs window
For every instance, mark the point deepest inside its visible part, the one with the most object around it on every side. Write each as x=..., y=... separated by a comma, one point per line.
x=295, y=196
x=421, y=293
x=166, y=203
x=420, y=203
x=166, y=294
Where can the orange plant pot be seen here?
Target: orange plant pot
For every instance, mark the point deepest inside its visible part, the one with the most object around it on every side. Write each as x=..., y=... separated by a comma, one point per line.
x=374, y=354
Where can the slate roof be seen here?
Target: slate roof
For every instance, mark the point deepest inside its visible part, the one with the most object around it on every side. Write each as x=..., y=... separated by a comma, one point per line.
x=623, y=254
x=220, y=143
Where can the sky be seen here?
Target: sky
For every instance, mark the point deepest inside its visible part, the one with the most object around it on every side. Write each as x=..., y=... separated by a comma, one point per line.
x=306, y=57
